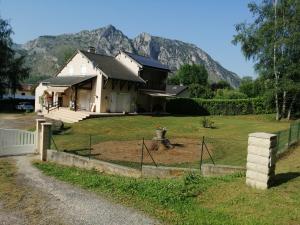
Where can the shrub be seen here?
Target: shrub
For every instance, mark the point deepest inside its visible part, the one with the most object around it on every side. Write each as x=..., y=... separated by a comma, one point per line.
x=197, y=106
x=230, y=94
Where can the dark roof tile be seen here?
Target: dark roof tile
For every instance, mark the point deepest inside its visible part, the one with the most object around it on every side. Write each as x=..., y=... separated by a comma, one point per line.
x=175, y=89
x=112, y=67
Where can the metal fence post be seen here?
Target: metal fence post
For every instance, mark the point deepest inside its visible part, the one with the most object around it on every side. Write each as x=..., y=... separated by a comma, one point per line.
x=298, y=132
x=290, y=135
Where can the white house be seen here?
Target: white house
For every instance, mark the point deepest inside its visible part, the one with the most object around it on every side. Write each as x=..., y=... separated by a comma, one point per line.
x=98, y=83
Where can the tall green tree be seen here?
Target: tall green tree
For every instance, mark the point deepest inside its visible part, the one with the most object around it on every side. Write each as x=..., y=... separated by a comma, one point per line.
x=272, y=41
x=195, y=76
x=12, y=69
x=191, y=74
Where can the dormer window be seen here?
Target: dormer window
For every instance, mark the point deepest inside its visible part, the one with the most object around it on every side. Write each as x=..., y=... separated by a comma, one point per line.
x=83, y=69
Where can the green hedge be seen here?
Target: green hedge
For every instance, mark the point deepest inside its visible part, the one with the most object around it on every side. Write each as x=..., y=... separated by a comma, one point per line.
x=197, y=106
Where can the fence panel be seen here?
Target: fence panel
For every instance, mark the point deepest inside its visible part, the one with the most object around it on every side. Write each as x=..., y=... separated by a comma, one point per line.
x=288, y=137
x=14, y=141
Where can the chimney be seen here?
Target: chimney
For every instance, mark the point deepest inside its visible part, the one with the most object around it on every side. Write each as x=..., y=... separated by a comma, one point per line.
x=92, y=49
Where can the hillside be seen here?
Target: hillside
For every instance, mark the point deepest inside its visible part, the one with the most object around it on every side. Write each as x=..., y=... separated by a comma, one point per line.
x=47, y=53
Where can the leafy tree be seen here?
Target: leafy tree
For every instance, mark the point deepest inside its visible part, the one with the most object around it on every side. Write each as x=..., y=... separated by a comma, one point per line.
x=195, y=77
x=191, y=74
x=247, y=87
x=12, y=69
x=222, y=84
x=272, y=41
x=200, y=91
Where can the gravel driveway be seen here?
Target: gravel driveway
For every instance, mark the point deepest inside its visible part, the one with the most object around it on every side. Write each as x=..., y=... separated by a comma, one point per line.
x=49, y=201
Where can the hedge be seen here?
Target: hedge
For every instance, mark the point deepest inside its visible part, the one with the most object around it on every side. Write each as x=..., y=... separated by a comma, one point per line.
x=197, y=106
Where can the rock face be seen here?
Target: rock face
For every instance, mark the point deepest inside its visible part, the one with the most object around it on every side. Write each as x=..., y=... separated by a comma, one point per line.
x=47, y=53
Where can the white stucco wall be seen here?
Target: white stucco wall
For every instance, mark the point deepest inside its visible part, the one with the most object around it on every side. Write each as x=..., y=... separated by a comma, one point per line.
x=38, y=93
x=74, y=67
x=128, y=62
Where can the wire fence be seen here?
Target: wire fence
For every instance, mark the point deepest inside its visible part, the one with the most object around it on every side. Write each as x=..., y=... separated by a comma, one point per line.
x=287, y=138
x=175, y=152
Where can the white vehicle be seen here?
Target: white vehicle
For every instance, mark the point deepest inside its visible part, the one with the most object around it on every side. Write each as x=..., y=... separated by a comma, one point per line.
x=27, y=106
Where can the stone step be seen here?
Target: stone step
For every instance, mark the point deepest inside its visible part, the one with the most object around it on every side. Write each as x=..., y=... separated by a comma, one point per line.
x=64, y=119
x=67, y=111
x=70, y=115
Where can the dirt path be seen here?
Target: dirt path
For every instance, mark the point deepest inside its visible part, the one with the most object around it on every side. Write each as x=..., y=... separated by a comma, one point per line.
x=44, y=200
x=17, y=121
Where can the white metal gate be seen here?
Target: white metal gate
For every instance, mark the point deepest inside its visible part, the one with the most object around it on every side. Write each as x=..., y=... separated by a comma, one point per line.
x=16, y=142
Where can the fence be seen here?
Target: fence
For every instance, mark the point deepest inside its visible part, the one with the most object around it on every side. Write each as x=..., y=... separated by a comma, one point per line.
x=287, y=138
x=176, y=152
x=14, y=141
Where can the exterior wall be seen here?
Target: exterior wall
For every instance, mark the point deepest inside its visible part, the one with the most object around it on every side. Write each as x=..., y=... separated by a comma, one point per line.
x=39, y=91
x=87, y=99
x=107, y=98
x=75, y=65
x=129, y=63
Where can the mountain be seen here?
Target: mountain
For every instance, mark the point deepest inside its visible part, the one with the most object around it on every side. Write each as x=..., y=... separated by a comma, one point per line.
x=47, y=53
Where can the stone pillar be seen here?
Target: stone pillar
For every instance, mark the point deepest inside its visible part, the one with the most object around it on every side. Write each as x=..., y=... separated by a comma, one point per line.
x=38, y=131
x=261, y=160
x=45, y=140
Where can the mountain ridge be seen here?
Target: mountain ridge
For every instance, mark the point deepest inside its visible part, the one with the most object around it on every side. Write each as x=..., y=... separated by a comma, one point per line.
x=47, y=53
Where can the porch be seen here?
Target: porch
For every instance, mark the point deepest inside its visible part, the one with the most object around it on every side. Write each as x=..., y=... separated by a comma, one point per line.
x=74, y=92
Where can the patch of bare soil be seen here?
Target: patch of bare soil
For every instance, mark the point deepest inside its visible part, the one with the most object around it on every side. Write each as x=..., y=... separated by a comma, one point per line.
x=184, y=151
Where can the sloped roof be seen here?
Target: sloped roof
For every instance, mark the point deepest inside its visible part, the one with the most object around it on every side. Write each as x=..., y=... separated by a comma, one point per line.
x=68, y=81
x=175, y=89
x=147, y=61
x=112, y=67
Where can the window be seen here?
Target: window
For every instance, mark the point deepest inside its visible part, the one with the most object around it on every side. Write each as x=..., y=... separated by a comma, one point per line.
x=83, y=69
x=71, y=70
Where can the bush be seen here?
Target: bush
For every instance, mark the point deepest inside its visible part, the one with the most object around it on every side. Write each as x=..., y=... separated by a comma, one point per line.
x=230, y=94
x=197, y=106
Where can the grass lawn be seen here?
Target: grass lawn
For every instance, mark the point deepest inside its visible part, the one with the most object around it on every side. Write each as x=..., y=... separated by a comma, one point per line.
x=198, y=200
x=228, y=139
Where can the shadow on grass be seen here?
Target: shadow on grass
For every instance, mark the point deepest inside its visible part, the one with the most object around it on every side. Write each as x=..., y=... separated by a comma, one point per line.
x=282, y=178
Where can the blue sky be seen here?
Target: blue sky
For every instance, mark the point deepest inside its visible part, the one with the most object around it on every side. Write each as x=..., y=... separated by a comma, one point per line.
x=207, y=23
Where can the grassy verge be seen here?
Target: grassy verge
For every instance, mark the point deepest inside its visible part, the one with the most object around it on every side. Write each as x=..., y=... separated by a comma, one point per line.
x=197, y=200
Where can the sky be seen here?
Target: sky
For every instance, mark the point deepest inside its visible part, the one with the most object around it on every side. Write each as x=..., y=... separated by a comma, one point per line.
x=209, y=24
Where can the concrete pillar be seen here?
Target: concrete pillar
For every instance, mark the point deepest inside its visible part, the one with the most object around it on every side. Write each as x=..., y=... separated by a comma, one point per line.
x=38, y=132
x=45, y=140
x=261, y=160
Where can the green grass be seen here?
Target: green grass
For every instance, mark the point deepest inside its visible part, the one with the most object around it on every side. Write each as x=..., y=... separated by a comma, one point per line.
x=198, y=200
x=228, y=139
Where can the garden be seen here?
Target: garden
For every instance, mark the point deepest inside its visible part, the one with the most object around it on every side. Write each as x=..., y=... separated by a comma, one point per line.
x=119, y=139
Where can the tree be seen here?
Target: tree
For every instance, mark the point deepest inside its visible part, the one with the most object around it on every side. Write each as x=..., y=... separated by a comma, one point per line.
x=200, y=91
x=191, y=74
x=12, y=69
x=272, y=41
x=247, y=87
x=222, y=84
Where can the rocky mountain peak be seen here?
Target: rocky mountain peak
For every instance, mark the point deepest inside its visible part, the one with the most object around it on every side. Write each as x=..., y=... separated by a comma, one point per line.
x=46, y=53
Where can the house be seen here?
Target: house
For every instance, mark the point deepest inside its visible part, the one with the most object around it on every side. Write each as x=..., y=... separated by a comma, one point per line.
x=23, y=92
x=96, y=83
x=178, y=90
